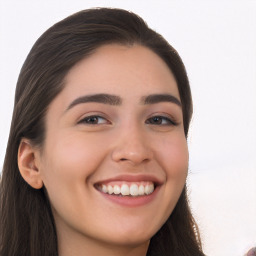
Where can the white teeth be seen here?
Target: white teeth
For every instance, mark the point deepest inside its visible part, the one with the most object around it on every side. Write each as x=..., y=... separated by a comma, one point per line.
x=117, y=190
x=110, y=189
x=134, y=190
x=125, y=190
x=141, y=190
x=104, y=188
x=149, y=189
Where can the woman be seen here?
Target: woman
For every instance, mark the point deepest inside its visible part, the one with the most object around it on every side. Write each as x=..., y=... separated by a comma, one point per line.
x=102, y=112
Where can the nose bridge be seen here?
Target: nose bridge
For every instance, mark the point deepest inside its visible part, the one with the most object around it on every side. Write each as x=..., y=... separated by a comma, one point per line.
x=132, y=145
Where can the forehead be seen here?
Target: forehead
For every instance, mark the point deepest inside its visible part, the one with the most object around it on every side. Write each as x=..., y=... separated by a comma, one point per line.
x=120, y=68
x=129, y=72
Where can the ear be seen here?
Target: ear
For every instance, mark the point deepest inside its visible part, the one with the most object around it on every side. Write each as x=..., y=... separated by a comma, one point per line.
x=28, y=164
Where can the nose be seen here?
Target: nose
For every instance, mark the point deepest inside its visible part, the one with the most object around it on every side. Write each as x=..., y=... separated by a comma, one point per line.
x=132, y=147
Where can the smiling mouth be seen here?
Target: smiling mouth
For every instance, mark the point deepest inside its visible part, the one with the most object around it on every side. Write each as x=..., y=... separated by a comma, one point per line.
x=127, y=189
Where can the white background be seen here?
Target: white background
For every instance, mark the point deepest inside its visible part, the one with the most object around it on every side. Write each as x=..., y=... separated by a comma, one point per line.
x=217, y=41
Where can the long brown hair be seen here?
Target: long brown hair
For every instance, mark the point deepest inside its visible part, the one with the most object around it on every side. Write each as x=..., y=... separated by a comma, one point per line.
x=26, y=222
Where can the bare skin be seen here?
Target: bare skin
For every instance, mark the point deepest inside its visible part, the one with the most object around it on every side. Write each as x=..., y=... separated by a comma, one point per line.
x=118, y=121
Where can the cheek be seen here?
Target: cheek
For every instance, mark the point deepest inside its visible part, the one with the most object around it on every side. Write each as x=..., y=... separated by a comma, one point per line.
x=70, y=159
x=174, y=157
x=68, y=162
x=175, y=164
x=74, y=153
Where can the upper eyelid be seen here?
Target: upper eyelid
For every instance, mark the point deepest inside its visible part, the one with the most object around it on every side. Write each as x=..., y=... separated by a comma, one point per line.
x=105, y=121
x=100, y=114
x=93, y=114
x=170, y=119
x=164, y=115
x=90, y=116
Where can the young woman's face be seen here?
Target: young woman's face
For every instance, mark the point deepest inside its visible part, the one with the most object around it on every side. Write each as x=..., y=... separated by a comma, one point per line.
x=114, y=161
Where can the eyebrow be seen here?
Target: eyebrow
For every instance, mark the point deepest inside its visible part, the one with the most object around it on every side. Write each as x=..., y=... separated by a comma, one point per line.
x=117, y=101
x=99, y=98
x=157, y=98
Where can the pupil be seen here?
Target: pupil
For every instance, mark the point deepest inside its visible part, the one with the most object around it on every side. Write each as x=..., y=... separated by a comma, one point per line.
x=157, y=120
x=93, y=120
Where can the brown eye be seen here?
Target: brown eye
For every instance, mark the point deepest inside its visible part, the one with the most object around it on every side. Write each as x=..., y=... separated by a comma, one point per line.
x=160, y=120
x=93, y=120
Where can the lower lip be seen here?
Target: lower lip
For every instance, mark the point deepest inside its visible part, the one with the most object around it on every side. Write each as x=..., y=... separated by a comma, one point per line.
x=131, y=201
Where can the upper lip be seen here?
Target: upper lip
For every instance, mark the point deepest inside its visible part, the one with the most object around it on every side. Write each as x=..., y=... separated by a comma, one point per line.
x=133, y=178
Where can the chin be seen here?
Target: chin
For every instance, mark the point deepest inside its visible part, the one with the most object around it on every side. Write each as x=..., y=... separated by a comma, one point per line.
x=133, y=236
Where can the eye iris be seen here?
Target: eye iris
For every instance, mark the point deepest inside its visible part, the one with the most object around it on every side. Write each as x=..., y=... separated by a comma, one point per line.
x=157, y=120
x=92, y=120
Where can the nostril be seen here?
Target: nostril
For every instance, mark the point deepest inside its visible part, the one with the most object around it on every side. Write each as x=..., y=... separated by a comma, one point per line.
x=131, y=153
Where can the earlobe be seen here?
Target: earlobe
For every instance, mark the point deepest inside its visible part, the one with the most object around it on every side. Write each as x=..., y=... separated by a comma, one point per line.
x=27, y=163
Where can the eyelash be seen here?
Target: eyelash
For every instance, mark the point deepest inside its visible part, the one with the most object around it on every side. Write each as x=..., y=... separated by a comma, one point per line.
x=94, y=120
x=155, y=121
x=94, y=117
